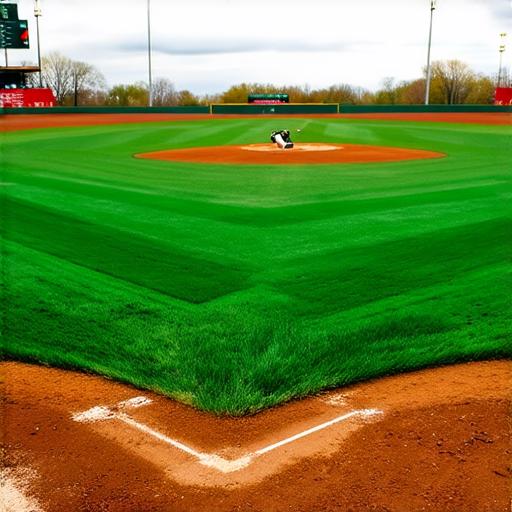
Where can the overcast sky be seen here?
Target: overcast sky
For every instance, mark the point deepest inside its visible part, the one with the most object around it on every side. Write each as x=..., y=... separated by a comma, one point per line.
x=207, y=45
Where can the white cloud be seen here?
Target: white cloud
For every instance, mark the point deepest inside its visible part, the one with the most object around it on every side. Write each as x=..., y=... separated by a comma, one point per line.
x=207, y=45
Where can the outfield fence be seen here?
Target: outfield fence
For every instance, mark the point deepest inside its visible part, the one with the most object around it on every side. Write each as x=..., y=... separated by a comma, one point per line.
x=108, y=110
x=249, y=109
x=412, y=109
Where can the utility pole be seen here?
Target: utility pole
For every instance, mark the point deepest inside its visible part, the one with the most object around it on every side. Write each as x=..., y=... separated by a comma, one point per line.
x=38, y=13
x=427, y=88
x=502, y=50
x=149, y=55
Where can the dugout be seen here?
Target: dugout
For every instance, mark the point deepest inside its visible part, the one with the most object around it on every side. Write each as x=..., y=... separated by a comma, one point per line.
x=16, y=90
x=16, y=77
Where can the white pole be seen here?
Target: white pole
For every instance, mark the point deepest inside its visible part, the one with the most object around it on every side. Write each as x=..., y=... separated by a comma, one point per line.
x=38, y=13
x=427, y=89
x=502, y=49
x=149, y=56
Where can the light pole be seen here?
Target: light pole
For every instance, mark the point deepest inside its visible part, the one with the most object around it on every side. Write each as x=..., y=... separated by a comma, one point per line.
x=427, y=88
x=502, y=50
x=38, y=13
x=149, y=56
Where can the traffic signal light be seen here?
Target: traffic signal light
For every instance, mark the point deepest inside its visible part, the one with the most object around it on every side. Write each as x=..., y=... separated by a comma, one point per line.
x=14, y=34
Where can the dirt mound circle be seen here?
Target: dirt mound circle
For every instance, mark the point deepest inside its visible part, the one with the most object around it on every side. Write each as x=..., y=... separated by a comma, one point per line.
x=301, y=154
x=297, y=147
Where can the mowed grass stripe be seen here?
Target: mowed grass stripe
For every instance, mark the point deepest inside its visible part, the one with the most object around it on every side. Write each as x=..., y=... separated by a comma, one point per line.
x=258, y=216
x=355, y=276
x=131, y=257
x=235, y=288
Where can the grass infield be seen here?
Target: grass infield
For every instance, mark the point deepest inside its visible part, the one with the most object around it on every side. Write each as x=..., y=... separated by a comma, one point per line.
x=234, y=288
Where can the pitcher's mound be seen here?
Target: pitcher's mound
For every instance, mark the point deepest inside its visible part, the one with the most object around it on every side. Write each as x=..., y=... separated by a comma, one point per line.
x=297, y=147
x=303, y=153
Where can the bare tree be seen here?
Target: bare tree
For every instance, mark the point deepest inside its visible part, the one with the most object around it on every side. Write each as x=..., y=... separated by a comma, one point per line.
x=388, y=93
x=506, y=78
x=164, y=93
x=57, y=72
x=208, y=99
x=72, y=80
x=85, y=79
x=31, y=79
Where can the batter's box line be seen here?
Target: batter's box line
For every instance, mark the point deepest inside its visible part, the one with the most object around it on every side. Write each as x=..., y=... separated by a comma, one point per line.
x=211, y=460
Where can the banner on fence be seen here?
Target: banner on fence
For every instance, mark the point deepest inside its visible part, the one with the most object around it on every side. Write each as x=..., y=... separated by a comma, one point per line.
x=503, y=96
x=19, y=98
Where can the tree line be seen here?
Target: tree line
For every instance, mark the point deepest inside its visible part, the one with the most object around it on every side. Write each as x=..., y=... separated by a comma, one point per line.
x=452, y=82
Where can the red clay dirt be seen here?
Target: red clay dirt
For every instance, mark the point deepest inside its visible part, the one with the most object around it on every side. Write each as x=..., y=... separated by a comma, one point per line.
x=442, y=443
x=301, y=154
x=489, y=118
x=14, y=122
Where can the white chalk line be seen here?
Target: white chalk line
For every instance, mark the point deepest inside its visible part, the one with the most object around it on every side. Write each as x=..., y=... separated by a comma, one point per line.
x=214, y=461
x=12, y=494
x=161, y=437
x=360, y=412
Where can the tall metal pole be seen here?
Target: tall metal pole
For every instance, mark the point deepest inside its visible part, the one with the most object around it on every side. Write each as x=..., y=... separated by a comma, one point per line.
x=38, y=13
x=427, y=89
x=502, y=49
x=149, y=56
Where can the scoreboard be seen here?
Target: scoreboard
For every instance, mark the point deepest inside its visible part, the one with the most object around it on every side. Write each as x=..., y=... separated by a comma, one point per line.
x=8, y=12
x=13, y=31
x=268, y=99
x=14, y=34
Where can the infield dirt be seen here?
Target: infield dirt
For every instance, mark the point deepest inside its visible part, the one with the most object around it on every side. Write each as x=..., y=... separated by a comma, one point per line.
x=441, y=444
x=301, y=154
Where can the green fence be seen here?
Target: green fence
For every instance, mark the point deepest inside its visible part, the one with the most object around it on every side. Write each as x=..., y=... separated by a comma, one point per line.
x=399, y=109
x=279, y=108
x=108, y=110
x=283, y=108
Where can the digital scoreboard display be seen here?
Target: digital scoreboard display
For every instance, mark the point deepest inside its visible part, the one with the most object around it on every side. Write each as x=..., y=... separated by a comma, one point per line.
x=14, y=34
x=8, y=12
x=268, y=99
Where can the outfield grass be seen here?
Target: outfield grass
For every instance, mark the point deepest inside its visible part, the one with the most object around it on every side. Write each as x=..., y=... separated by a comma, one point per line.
x=235, y=288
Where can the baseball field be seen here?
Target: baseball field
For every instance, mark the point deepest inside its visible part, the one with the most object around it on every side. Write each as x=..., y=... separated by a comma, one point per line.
x=342, y=308
x=237, y=287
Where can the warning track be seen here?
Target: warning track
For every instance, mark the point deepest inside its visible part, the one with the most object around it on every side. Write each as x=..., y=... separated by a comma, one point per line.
x=29, y=121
